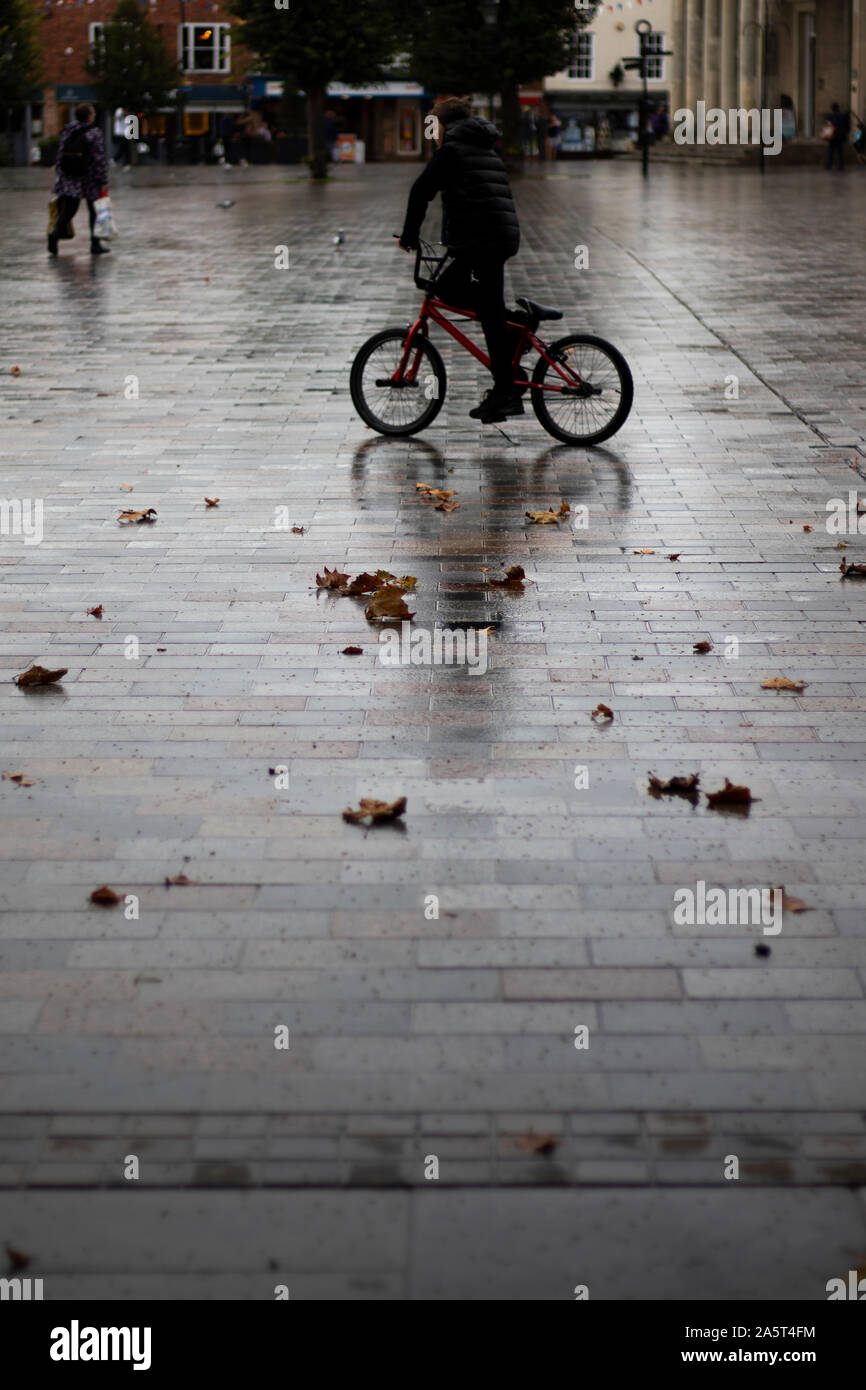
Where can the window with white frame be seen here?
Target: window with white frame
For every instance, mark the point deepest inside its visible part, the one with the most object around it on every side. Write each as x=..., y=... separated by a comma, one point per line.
x=205, y=47
x=655, y=68
x=94, y=33
x=583, y=65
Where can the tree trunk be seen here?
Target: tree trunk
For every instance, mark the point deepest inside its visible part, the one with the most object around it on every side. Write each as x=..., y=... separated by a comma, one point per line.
x=512, y=145
x=317, y=154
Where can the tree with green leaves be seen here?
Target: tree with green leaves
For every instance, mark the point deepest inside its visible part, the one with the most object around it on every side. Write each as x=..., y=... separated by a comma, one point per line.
x=312, y=45
x=129, y=65
x=463, y=46
x=20, y=52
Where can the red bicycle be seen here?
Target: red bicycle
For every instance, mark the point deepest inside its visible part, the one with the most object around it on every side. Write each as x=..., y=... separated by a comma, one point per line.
x=581, y=388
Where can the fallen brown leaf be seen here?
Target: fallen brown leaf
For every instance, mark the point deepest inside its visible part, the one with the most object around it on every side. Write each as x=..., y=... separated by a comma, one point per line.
x=549, y=517
x=180, y=881
x=782, y=683
x=841, y=545
x=674, y=786
x=644, y=551
x=427, y=490
x=331, y=579
x=703, y=647
x=602, y=712
x=352, y=651
x=807, y=528
x=376, y=810
x=95, y=612
x=138, y=517
x=17, y=1259
x=127, y=487
x=14, y=371
x=447, y=506
x=105, y=896
x=212, y=501
x=514, y=576
x=737, y=798
x=792, y=904
x=298, y=530
x=19, y=778
x=39, y=675
x=487, y=630
x=673, y=557
x=387, y=602
x=537, y=1143
x=852, y=571
x=362, y=584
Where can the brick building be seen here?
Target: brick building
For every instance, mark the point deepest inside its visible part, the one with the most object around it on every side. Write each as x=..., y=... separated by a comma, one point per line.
x=200, y=33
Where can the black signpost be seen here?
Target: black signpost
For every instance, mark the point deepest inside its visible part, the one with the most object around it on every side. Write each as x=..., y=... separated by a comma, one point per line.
x=644, y=30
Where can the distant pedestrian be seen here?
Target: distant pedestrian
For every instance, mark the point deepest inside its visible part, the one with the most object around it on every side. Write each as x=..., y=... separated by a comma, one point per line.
x=82, y=172
x=660, y=123
x=332, y=130
x=841, y=124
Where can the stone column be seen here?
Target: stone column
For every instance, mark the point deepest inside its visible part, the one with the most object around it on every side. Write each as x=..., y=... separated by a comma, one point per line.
x=730, y=54
x=678, y=61
x=695, y=53
x=712, y=52
x=750, y=55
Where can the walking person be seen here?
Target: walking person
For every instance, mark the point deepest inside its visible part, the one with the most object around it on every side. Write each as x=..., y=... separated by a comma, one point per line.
x=82, y=172
x=841, y=123
x=480, y=229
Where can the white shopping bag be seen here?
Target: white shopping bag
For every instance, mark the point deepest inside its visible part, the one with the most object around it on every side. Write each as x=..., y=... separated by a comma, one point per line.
x=105, y=226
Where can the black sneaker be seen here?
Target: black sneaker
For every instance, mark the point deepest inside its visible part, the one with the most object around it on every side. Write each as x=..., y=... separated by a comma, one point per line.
x=97, y=249
x=495, y=407
x=52, y=243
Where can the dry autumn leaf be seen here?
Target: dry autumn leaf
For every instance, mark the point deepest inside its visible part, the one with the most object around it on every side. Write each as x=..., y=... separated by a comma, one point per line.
x=644, y=551
x=674, y=786
x=549, y=517
x=782, y=683
x=387, y=602
x=105, y=896
x=376, y=811
x=180, y=881
x=852, y=571
x=362, y=584
x=841, y=545
x=95, y=612
x=14, y=371
x=127, y=487
x=352, y=651
x=674, y=557
x=212, y=501
x=537, y=1143
x=514, y=575
x=731, y=797
x=17, y=777
x=126, y=518
x=40, y=675
x=807, y=528
x=792, y=904
x=602, y=712
x=405, y=581
x=703, y=647
x=427, y=490
x=298, y=530
x=331, y=579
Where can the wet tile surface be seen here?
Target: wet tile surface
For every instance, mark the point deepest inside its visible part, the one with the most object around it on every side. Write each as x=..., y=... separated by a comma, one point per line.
x=553, y=870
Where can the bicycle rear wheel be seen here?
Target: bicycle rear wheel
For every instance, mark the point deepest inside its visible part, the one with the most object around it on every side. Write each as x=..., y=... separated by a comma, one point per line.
x=397, y=407
x=595, y=390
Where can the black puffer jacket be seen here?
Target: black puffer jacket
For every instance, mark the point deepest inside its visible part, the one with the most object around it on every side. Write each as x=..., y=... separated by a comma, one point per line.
x=478, y=209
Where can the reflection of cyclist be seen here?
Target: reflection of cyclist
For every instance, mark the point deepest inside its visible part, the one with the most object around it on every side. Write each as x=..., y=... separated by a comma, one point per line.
x=480, y=229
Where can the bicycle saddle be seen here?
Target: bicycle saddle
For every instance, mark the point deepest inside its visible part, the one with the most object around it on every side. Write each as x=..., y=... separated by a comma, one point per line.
x=539, y=311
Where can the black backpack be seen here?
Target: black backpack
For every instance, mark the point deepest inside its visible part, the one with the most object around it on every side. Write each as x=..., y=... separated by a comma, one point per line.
x=77, y=154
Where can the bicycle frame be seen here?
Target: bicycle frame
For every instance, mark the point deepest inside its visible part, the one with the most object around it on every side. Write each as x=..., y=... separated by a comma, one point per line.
x=433, y=308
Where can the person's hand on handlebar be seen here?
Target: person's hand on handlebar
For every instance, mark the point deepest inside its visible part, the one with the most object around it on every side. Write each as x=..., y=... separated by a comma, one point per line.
x=407, y=245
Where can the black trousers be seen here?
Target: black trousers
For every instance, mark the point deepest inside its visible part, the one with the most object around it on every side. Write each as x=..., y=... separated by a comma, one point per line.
x=477, y=281
x=67, y=207
x=835, y=150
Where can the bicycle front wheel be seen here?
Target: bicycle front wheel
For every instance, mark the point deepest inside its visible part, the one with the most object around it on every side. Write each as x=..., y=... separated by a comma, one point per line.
x=594, y=390
x=390, y=401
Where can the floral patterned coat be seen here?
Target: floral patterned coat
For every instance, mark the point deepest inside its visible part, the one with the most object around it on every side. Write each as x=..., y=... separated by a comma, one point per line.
x=92, y=182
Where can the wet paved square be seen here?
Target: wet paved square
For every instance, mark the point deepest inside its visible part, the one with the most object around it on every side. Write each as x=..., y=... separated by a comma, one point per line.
x=187, y=366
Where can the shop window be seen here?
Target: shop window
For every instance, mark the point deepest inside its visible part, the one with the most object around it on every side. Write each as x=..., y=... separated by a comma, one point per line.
x=196, y=122
x=205, y=47
x=583, y=66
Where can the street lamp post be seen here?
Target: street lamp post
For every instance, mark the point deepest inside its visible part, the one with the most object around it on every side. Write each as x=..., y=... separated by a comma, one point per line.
x=644, y=31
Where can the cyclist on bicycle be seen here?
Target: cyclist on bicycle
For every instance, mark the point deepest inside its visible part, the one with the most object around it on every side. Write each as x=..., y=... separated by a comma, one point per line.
x=480, y=229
